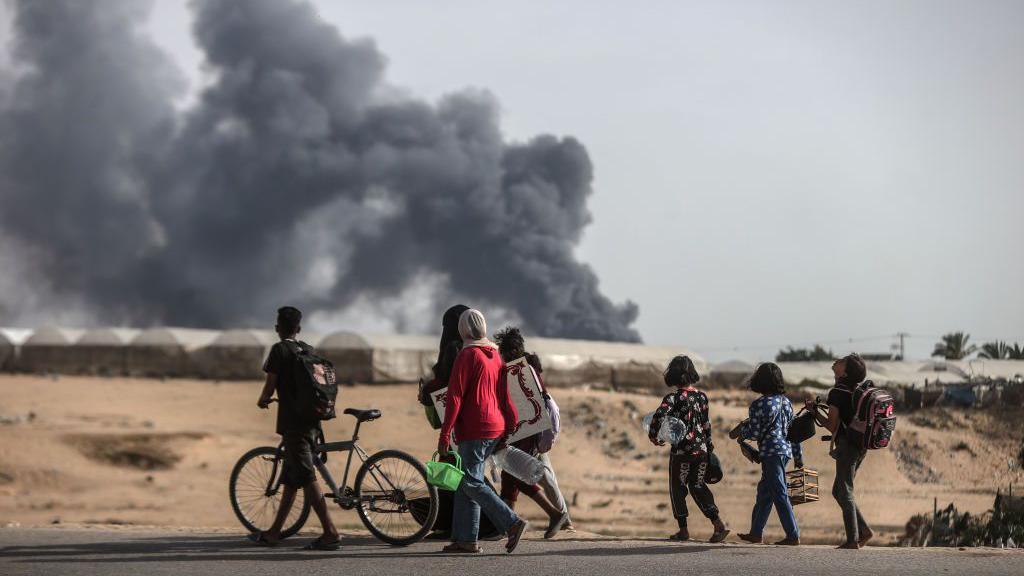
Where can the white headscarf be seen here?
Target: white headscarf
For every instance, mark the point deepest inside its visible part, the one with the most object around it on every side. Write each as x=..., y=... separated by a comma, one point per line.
x=473, y=329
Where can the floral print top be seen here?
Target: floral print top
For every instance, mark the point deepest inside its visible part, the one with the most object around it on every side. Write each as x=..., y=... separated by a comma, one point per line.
x=691, y=407
x=770, y=417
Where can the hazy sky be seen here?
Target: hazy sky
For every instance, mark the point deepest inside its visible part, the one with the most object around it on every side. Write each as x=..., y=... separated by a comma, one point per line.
x=767, y=173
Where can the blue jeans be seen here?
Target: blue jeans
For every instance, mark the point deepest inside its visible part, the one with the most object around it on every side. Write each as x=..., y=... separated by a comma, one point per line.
x=772, y=490
x=474, y=494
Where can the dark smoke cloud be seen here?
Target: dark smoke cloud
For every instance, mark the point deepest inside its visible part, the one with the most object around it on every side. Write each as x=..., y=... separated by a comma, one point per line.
x=298, y=176
x=90, y=109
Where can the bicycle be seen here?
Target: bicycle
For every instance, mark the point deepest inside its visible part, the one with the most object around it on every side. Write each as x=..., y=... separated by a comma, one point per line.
x=390, y=493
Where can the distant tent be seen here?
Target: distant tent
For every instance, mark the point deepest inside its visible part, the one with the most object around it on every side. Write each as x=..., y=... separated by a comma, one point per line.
x=884, y=373
x=731, y=373
x=46, y=351
x=618, y=365
x=401, y=357
x=942, y=366
x=733, y=367
x=1007, y=369
x=164, y=352
x=379, y=358
x=351, y=355
x=6, y=351
x=233, y=355
x=101, y=351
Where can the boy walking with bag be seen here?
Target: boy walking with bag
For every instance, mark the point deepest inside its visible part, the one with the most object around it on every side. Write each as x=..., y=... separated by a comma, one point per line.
x=299, y=427
x=849, y=373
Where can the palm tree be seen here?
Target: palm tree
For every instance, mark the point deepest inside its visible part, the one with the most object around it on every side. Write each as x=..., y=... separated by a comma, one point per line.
x=994, y=350
x=954, y=346
x=1015, y=352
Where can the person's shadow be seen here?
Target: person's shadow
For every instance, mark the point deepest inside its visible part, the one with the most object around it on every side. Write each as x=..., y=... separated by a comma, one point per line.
x=174, y=549
x=229, y=548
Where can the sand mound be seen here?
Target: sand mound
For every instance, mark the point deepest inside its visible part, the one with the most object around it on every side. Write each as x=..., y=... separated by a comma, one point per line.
x=137, y=451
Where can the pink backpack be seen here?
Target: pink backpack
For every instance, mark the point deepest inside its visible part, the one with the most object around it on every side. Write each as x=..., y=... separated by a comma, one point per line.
x=873, y=417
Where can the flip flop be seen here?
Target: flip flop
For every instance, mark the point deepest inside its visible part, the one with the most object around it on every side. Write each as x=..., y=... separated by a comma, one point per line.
x=319, y=544
x=259, y=539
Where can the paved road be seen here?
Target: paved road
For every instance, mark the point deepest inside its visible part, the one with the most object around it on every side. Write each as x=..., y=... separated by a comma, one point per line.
x=75, y=552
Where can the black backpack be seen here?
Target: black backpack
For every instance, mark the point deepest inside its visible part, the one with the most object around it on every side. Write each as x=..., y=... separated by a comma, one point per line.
x=315, y=382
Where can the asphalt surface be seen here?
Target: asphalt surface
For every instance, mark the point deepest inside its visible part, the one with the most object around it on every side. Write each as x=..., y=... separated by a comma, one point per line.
x=74, y=552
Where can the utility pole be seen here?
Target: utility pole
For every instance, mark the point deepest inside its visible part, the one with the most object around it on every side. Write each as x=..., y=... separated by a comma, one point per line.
x=903, y=349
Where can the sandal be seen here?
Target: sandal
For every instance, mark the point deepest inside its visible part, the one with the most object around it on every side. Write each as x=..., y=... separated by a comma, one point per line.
x=555, y=526
x=462, y=548
x=514, y=534
x=319, y=544
x=260, y=539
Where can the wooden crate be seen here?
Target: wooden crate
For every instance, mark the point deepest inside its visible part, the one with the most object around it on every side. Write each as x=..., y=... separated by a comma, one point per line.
x=802, y=485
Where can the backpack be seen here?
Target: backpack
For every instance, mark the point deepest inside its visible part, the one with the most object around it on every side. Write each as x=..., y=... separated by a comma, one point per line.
x=315, y=382
x=873, y=421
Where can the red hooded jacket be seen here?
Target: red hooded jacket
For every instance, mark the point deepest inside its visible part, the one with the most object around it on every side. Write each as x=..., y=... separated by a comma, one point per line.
x=477, y=405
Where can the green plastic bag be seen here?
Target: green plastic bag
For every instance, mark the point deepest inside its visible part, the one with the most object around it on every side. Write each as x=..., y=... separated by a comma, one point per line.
x=444, y=475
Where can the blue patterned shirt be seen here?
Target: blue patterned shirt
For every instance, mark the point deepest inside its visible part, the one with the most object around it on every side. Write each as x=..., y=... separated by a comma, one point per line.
x=770, y=417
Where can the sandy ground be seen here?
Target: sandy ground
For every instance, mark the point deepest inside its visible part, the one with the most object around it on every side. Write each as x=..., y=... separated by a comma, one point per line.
x=151, y=452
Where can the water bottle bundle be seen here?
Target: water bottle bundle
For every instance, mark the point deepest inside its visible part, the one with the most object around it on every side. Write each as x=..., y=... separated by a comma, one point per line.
x=672, y=429
x=520, y=464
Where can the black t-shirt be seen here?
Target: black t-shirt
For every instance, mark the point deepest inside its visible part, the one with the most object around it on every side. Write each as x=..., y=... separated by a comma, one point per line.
x=281, y=361
x=841, y=397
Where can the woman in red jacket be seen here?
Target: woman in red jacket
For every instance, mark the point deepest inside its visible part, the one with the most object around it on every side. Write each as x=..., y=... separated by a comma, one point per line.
x=480, y=412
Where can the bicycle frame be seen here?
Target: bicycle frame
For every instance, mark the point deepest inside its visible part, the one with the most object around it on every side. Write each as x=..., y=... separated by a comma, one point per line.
x=339, y=493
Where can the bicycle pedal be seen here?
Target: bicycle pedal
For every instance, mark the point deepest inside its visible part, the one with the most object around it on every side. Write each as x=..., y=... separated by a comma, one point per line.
x=347, y=501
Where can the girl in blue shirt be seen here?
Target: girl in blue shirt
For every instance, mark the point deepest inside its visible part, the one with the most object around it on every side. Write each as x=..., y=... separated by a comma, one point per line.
x=768, y=424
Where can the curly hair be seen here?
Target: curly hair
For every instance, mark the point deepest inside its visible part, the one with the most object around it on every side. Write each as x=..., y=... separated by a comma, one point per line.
x=767, y=379
x=681, y=372
x=511, y=344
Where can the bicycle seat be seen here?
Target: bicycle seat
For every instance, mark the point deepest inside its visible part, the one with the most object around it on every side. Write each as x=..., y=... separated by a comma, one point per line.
x=363, y=415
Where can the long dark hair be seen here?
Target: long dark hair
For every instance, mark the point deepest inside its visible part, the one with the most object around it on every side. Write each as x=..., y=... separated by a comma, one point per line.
x=767, y=379
x=450, y=339
x=681, y=372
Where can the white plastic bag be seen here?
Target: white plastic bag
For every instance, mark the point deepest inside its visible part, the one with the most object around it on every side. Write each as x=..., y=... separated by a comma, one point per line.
x=548, y=437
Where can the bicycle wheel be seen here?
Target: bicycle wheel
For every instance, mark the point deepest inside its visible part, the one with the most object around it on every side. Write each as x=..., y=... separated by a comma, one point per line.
x=248, y=490
x=395, y=502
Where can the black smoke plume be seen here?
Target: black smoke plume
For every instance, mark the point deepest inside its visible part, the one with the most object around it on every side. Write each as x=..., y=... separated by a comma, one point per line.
x=297, y=177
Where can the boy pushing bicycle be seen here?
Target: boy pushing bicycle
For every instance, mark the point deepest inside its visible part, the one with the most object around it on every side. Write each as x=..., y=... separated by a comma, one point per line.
x=299, y=432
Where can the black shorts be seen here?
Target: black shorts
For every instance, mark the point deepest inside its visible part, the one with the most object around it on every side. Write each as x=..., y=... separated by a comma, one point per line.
x=299, y=469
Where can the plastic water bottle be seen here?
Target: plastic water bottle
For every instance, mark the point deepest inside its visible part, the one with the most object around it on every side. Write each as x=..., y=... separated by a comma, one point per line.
x=520, y=464
x=646, y=424
x=672, y=429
